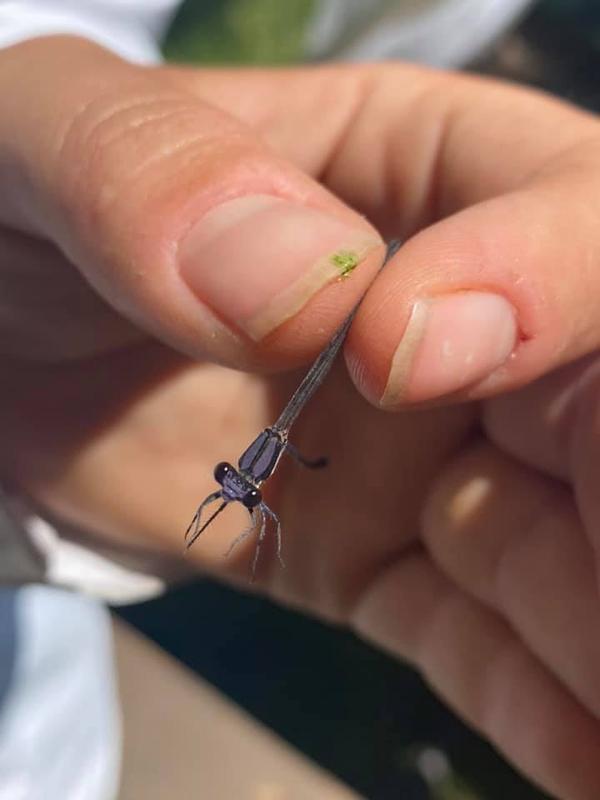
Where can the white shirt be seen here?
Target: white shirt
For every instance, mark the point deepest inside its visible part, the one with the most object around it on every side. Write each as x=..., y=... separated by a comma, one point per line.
x=131, y=28
x=438, y=32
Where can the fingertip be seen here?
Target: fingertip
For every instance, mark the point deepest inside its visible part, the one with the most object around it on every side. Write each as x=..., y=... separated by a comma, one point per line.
x=464, y=312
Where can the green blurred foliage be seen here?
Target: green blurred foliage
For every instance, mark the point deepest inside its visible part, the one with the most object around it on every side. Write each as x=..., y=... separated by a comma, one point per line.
x=239, y=32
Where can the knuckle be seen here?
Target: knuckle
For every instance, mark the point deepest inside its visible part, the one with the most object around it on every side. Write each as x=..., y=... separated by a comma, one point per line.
x=125, y=154
x=98, y=148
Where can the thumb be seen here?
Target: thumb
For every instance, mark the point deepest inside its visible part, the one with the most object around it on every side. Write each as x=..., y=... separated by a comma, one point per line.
x=177, y=215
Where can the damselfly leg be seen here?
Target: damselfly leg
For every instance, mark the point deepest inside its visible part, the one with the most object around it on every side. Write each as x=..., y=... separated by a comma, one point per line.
x=261, y=535
x=260, y=514
x=194, y=530
x=244, y=534
x=311, y=463
x=266, y=510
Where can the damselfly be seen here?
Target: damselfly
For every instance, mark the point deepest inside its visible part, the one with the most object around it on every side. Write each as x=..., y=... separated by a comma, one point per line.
x=259, y=461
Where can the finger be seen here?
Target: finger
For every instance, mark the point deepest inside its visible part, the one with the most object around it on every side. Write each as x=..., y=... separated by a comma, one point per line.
x=478, y=664
x=498, y=294
x=506, y=180
x=513, y=539
x=393, y=138
x=176, y=213
x=534, y=424
x=555, y=426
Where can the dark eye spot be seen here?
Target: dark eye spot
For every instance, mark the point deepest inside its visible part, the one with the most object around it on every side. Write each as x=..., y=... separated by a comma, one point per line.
x=252, y=498
x=221, y=471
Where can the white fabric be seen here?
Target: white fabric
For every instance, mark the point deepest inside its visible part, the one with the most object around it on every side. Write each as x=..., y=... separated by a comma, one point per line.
x=76, y=566
x=60, y=733
x=130, y=28
x=443, y=33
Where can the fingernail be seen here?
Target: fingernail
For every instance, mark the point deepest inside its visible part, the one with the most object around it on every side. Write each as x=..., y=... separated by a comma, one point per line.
x=450, y=342
x=257, y=260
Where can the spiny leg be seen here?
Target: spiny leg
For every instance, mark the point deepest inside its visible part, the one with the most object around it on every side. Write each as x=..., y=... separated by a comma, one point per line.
x=261, y=536
x=195, y=523
x=316, y=463
x=243, y=535
x=266, y=510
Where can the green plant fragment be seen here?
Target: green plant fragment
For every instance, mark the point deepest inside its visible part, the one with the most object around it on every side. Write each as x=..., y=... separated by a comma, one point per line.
x=346, y=261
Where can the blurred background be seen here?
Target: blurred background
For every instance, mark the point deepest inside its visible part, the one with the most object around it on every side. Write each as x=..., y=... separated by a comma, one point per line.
x=366, y=718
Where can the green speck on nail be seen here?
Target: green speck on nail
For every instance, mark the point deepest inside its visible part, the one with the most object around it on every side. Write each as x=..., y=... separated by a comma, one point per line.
x=346, y=261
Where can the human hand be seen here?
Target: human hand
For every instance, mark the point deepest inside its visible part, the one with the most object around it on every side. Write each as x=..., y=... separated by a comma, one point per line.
x=108, y=426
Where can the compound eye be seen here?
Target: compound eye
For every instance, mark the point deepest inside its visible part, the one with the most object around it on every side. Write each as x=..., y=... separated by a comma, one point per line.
x=221, y=471
x=252, y=498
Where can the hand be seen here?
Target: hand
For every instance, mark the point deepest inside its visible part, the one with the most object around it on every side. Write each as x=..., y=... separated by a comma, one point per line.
x=471, y=556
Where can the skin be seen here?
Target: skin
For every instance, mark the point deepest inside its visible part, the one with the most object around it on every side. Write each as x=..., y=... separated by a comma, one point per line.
x=462, y=536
